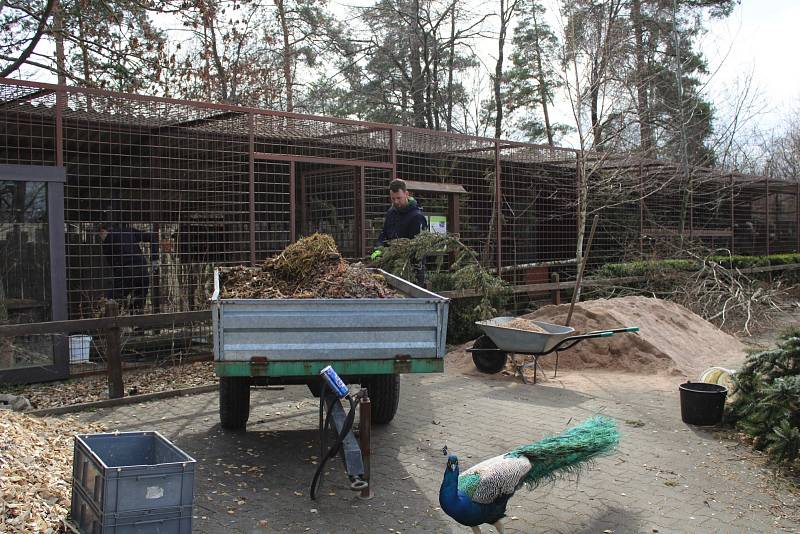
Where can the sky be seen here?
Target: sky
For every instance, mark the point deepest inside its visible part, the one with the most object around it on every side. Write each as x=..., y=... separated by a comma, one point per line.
x=760, y=37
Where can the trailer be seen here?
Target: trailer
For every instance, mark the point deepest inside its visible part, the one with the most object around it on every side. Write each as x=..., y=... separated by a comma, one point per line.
x=369, y=341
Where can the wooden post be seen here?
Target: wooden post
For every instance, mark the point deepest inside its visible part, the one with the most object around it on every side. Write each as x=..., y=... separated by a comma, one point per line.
x=116, y=388
x=557, y=291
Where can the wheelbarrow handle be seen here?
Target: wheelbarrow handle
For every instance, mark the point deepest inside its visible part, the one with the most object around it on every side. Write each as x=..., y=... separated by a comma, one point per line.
x=589, y=335
x=568, y=342
x=617, y=330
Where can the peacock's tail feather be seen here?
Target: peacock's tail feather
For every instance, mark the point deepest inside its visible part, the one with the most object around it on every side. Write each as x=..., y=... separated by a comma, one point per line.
x=566, y=452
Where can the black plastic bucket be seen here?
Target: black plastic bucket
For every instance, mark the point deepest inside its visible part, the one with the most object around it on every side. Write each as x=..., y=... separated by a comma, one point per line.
x=702, y=404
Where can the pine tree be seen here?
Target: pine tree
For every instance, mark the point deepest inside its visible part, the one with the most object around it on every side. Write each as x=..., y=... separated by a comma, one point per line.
x=533, y=78
x=766, y=401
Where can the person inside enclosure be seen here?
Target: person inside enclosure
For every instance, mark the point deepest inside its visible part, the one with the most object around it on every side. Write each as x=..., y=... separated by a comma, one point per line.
x=403, y=220
x=130, y=277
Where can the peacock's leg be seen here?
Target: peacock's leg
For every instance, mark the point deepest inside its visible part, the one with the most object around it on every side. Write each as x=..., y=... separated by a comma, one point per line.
x=476, y=530
x=499, y=526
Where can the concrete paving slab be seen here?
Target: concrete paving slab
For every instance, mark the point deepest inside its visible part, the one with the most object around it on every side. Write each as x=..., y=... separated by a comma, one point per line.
x=665, y=476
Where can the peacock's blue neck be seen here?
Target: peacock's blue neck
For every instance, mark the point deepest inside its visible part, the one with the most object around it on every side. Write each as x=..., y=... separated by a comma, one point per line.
x=455, y=504
x=449, y=489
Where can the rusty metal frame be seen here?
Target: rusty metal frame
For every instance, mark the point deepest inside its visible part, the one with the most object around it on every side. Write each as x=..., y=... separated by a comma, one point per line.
x=321, y=160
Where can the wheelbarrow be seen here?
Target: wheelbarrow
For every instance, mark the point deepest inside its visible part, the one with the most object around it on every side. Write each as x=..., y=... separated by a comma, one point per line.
x=489, y=352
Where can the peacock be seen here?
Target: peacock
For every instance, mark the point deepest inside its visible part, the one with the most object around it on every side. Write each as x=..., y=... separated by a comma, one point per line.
x=481, y=493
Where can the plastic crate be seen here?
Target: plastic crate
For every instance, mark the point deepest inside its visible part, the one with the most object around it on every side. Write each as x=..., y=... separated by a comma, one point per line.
x=89, y=520
x=132, y=471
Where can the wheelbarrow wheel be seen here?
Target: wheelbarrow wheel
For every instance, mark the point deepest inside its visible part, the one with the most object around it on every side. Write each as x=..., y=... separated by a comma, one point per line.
x=490, y=361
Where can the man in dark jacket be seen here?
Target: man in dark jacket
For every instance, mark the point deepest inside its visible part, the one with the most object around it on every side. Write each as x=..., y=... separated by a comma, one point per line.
x=130, y=275
x=403, y=220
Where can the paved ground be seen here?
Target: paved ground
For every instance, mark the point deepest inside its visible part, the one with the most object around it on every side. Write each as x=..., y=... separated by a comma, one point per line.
x=665, y=477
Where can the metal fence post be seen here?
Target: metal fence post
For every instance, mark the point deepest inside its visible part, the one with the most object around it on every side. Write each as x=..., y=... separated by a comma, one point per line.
x=797, y=217
x=498, y=193
x=766, y=204
x=251, y=185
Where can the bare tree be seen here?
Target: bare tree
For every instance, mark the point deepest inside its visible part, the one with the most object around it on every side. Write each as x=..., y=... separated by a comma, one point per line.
x=508, y=9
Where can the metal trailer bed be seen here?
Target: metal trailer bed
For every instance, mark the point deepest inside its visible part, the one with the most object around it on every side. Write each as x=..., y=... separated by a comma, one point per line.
x=368, y=341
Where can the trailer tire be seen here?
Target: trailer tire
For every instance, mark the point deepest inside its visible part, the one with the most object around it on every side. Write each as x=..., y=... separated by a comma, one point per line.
x=384, y=394
x=488, y=361
x=234, y=402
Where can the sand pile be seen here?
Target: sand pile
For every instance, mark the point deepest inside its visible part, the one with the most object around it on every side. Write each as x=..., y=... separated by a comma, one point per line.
x=524, y=324
x=672, y=340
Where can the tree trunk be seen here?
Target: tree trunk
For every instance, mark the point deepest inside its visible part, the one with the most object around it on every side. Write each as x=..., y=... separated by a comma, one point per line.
x=450, y=63
x=498, y=73
x=288, y=54
x=641, y=80
x=87, y=71
x=417, y=81
x=594, y=104
x=209, y=19
x=542, y=87
x=428, y=78
x=435, y=112
x=58, y=34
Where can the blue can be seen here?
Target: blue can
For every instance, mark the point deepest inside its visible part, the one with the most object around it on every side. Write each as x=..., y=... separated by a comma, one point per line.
x=336, y=383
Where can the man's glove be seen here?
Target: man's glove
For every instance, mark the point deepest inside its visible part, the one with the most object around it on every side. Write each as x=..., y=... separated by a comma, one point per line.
x=375, y=255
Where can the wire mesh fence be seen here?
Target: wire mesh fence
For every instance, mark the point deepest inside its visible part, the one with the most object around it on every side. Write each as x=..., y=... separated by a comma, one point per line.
x=160, y=192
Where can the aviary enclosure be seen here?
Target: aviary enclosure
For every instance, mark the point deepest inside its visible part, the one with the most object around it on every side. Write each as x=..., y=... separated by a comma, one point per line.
x=216, y=184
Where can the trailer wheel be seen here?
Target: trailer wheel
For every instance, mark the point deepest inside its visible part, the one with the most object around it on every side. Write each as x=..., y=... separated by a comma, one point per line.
x=384, y=394
x=234, y=402
x=487, y=361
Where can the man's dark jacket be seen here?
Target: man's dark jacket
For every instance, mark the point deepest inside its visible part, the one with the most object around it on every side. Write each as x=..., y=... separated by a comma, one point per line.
x=406, y=222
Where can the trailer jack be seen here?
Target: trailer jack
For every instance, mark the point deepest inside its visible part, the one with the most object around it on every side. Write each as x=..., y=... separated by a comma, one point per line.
x=332, y=417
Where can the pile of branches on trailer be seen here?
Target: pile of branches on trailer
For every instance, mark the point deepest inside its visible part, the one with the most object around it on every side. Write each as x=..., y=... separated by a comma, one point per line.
x=308, y=268
x=452, y=266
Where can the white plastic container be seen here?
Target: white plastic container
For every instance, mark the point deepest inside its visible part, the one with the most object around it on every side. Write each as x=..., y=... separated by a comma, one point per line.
x=718, y=375
x=79, y=347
